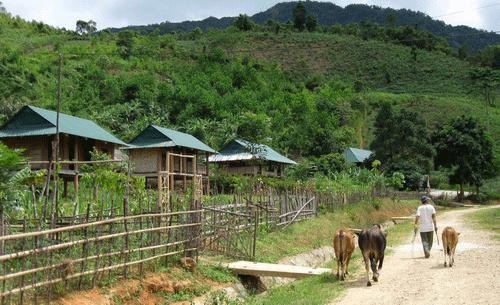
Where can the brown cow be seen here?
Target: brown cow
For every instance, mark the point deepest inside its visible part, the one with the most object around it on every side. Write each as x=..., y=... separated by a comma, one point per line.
x=450, y=240
x=372, y=243
x=343, y=243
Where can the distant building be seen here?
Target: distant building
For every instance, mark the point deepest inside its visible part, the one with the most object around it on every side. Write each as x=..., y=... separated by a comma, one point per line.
x=241, y=157
x=169, y=159
x=356, y=155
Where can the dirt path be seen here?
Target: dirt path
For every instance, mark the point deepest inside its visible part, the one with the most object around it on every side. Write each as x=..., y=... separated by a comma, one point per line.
x=408, y=278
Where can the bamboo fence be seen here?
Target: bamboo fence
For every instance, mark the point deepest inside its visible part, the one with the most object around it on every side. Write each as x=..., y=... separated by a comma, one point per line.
x=39, y=264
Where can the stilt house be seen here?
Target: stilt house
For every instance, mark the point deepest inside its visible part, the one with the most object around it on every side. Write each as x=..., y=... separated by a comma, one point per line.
x=170, y=160
x=34, y=129
x=240, y=157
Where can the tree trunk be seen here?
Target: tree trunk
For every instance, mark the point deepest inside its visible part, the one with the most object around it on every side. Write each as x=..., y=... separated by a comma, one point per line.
x=461, y=196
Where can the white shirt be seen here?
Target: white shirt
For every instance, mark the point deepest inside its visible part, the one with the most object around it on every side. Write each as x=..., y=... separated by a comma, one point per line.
x=425, y=212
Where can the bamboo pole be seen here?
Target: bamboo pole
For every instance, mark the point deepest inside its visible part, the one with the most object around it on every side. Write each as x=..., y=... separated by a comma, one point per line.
x=76, y=162
x=89, y=272
x=79, y=260
x=93, y=239
x=298, y=212
x=90, y=224
x=98, y=244
x=23, y=265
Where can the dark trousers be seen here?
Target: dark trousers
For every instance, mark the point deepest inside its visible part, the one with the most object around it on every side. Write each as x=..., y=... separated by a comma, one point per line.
x=427, y=238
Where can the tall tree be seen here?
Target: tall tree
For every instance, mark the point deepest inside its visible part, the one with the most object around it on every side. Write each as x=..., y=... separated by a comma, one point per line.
x=299, y=16
x=91, y=27
x=86, y=27
x=485, y=81
x=402, y=144
x=125, y=43
x=463, y=146
x=311, y=23
x=81, y=27
x=243, y=23
x=391, y=18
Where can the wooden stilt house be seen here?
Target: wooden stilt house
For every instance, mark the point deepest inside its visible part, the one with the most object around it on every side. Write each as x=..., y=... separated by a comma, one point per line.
x=170, y=160
x=240, y=157
x=34, y=129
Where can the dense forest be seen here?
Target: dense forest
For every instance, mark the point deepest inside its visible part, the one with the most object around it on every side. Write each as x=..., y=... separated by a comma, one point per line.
x=329, y=14
x=306, y=92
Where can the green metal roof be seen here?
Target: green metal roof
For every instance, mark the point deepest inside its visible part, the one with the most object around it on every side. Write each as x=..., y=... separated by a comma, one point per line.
x=356, y=155
x=238, y=150
x=156, y=136
x=34, y=121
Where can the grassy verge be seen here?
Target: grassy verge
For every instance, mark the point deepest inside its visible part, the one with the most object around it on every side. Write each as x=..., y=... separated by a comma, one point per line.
x=486, y=219
x=318, y=232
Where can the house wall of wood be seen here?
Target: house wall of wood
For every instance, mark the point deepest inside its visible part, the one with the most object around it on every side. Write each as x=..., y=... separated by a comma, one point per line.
x=35, y=148
x=267, y=169
x=145, y=161
x=152, y=160
x=39, y=148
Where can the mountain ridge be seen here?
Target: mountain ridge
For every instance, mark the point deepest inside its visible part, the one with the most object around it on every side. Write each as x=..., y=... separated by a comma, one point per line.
x=330, y=14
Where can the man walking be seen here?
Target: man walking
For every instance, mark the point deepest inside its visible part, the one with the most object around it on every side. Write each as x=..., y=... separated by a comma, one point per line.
x=427, y=216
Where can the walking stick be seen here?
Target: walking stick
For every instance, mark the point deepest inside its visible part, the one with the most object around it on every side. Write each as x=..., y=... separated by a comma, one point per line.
x=437, y=237
x=415, y=231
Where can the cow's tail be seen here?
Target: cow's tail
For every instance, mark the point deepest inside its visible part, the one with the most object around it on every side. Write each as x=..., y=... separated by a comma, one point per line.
x=381, y=262
x=341, y=250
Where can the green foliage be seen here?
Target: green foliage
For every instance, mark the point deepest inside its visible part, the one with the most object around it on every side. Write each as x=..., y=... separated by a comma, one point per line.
x=243, y=23
x=485, y=81
x=85, y=27
x=299, y=16
x=402, y=144
x=333, y=16
x=303, y=101
x=326, y=165
x=216, y=273
x=125, y=43
x=463, y=146
x=12, y=177
x=311, y=23
x=488, y=57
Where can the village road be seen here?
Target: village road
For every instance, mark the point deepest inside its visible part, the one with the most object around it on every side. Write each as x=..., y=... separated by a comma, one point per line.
x=408, y=278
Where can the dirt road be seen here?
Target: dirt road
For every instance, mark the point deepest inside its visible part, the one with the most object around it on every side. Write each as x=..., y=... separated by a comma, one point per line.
x=408, y=278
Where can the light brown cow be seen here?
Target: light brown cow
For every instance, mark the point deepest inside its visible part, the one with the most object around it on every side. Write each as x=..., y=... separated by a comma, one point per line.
x=450, y=240
x=343, y=243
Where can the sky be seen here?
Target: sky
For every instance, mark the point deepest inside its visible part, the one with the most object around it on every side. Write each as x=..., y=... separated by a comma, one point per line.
x=481, y=14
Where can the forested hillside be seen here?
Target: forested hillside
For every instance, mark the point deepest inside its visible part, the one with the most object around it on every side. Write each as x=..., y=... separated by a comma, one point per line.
x=329, y=14
x=307, y=94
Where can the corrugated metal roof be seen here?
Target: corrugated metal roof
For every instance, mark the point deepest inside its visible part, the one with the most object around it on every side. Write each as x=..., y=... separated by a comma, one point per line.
x=356, y=155
x=156, y=136
x=35, y=121
x=239, y=150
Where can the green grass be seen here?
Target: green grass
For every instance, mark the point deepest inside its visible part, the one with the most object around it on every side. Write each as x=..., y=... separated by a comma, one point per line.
x=399, y=233
x=313, y=290
x=216, y=273
x=318, y=232
x=487, y=219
